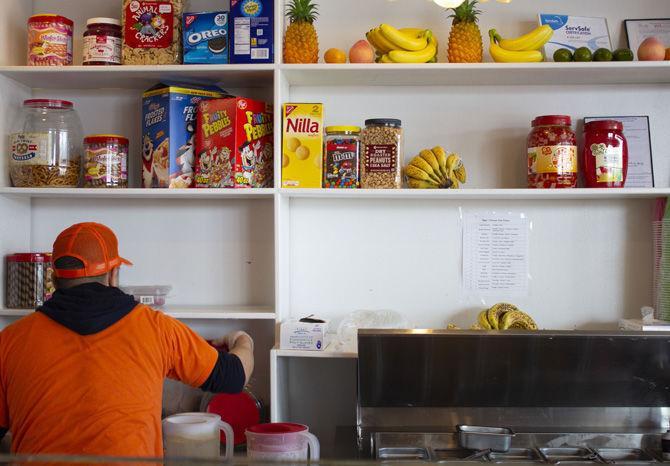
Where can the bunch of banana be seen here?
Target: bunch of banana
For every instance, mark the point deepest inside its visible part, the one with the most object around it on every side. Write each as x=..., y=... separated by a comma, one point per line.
x=408, y=45
x=435, y=169
x=504, y=316
x=524, y=49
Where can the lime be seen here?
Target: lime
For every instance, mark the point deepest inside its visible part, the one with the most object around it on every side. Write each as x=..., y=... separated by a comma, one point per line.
x=563, y=55
x=583, y=54
x=602, y=55
x=623, y=55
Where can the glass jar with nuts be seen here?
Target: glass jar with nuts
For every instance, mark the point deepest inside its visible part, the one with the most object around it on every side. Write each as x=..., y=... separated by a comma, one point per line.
x=381, y=166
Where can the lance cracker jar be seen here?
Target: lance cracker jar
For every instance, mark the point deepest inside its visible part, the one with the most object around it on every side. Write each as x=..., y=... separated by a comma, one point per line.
x=302, y=145
x=234, y=144
x=49, y=40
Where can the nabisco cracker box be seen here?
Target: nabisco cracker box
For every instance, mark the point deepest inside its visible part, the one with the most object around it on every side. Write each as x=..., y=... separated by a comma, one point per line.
x=302, y=145
x=234, y=144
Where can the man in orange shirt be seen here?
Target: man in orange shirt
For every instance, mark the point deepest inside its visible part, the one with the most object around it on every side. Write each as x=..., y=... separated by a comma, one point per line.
x=84, y=374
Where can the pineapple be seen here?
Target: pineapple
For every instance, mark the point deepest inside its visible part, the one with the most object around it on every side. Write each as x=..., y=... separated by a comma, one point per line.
x=301, y=44
x=465, y=39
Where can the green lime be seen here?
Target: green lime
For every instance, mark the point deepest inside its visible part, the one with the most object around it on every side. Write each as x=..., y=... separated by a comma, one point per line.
x=563, y=55
x=623, y=55
x=583, y=54
x=602, y=55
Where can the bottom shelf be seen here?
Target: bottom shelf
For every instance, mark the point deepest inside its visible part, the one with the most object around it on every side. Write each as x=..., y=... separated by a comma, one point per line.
x=327, y=353
x=190, y=312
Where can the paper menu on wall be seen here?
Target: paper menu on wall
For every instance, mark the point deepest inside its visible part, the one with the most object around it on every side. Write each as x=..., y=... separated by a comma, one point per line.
x=495, y=254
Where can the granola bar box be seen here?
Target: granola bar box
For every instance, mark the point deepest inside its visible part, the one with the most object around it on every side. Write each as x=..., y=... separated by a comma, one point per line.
x=168, y=133
x=234, y=144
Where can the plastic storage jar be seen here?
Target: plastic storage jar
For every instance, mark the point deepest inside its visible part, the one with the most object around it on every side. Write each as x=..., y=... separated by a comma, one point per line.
x=605, y=156
x=45, y=151
x=382, y=148
x=102, y=42
x=281, y=441
x=105, y=161
x=29, y=280
x=49, y=40
x=341, y=157
x=552, y=153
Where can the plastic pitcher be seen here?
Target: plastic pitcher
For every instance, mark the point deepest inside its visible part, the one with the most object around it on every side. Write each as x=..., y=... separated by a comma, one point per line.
x=196, y=435
x=282, y=441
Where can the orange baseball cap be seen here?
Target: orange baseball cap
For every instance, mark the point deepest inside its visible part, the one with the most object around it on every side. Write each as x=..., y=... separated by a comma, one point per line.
x=92, y=243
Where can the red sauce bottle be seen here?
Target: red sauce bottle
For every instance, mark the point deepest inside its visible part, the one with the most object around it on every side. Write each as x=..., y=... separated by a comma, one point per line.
x=102, y=42
x=605, y=154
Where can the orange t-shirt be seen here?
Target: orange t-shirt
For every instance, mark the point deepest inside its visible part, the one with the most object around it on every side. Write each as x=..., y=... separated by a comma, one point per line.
x=100, y=394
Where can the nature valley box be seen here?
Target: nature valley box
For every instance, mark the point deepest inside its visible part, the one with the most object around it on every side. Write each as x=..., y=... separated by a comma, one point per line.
x=302, y=145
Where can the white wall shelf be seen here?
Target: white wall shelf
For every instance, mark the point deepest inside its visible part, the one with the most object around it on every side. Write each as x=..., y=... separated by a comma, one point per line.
x=478, y=194
x=136, y=77
x=138, y=193
x=327, y=353
x=477, y=74
x=190, y=312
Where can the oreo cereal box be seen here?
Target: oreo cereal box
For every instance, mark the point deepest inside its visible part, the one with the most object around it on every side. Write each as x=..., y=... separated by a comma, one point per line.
x=168, y=133
x=252, y=38
x=206, y=37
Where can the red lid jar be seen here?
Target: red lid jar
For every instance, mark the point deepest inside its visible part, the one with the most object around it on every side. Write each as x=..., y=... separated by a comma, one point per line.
x=605, y=155
x=552, y=153
x=102, y=42
x=49, y=40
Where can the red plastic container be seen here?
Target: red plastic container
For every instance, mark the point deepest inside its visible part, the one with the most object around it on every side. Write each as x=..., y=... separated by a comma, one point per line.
x=552, y=153
x=605, y=154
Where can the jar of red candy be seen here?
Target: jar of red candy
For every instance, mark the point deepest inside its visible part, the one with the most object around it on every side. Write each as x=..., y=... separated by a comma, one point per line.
x=552, y=153
x=605, y=155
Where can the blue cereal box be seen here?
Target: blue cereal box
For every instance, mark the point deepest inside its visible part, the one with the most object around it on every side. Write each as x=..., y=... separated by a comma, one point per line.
x=252, y=37
x=206, y=37
x=168, y=133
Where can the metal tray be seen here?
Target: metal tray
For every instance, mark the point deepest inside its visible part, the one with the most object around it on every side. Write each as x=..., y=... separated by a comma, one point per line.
x=625, y=455
x=496, y=439
x=516, y=455
x=568, y=454
x=446, y=455
x=404, y=454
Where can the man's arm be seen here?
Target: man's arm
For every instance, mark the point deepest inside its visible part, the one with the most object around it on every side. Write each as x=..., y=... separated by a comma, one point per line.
x=234, y=368
x=242, y=346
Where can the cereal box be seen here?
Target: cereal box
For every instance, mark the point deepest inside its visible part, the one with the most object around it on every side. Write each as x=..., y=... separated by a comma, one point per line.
x=168, y=131
x=252, y=39
x=302, y=145
x=206, y=37
x=234, y=144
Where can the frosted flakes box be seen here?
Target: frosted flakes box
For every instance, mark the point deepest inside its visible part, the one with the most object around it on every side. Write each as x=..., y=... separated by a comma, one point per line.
x=234, y=144
x=252, y=37
x=168, y=133
x=206, y=37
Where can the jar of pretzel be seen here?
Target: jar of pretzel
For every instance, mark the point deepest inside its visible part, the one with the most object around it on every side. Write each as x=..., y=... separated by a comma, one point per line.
x=46, y=149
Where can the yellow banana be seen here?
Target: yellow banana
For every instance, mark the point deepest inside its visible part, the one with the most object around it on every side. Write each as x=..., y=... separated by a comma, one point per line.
x=483, y=322
x=501, y=55
x=421, y=184
x=416, y=32
x=453, y=162
x=429, y=157
x=441, y=156
x=373, y=41
x=385, y=59
x=424, y=166
x=534, y=40
x=403, y=41
x=460, y=174
x=414, y=172
x=383, y=45
x=421, y=56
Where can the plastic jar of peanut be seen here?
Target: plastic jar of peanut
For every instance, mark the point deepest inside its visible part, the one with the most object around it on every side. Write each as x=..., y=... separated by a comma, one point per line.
x=382, y=154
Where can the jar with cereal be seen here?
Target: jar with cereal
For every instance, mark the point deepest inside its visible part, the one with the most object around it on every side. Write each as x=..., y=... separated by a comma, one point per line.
x=552, y=153
x=382, y=154
x=341, y=157
x=105, y=161
x=45, y=151
x=152, y=32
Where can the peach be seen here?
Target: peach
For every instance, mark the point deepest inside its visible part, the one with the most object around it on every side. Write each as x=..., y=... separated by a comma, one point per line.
x=362, y=52
x=651, y=49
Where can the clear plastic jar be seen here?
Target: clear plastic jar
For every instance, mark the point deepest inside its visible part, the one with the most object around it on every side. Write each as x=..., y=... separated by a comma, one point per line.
x=552, y=153
x=29, y=280
x=605, y=156
x=382, y=149
x=102, y=42
x=341, y=157
x=105, y=161
x=45, y=151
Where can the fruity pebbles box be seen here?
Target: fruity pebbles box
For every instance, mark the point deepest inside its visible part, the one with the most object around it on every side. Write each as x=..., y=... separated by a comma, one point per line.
x=234, y=144
x=206, y=37
x=252, y=39
x=168, y=132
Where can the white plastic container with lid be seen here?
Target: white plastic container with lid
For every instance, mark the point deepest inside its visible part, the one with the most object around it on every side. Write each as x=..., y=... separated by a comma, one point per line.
x=46, y=148
x=153, y=295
